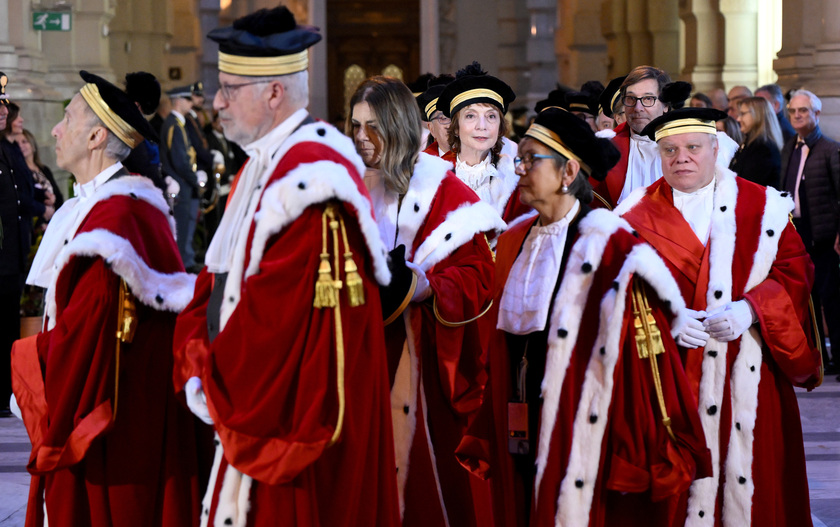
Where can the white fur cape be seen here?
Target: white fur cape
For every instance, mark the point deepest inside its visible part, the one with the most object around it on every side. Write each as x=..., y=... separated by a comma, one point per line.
x=746, y=371
x=575, y=500
x=170, y=292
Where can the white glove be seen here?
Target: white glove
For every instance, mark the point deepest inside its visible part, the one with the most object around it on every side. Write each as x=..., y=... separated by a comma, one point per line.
x=196, y=399
x=202, y=177
x=730, y=321
x=13, y=406
x=423, y=290
x=693, y=334
x=218, y=157
x=172, y=186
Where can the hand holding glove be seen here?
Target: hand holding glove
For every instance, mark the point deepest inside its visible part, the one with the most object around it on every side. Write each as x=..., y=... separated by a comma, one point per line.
x=172, y=186
x=694, y=334
x=202, y=178
x=196, y=400
x=423, y=290
x=218, y=157
x=730, y=321
x=13, y=406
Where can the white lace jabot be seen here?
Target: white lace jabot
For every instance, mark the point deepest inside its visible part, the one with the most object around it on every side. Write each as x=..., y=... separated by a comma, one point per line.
x=529, y=288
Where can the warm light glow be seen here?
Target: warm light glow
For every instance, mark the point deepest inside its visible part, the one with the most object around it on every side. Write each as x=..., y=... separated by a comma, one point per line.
x=224, y=4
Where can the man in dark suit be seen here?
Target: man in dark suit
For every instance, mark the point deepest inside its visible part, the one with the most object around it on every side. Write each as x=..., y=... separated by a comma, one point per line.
x=811, y=173
x=773, y=94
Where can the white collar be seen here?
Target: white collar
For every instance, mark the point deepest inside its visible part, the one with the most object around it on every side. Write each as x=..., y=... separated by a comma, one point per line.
x=86, y=190
x=179, y=116
x=699, y=192
x=696, y=207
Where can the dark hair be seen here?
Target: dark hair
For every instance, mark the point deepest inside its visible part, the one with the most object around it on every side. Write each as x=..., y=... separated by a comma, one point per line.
x=398, y=129
x=455, y=141
x=34, y=145
x=775, y=91
x=580, y=187
x=733, y=130
x=702, y=97
x=641, y=73
x=14, y=112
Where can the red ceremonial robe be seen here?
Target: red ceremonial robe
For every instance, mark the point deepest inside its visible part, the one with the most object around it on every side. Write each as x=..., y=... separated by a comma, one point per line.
x=609, y=190
x=744, y=387
x=441, y=374
x=304, y=443
x=433, y=150
x=111, y=445
x=603, y=455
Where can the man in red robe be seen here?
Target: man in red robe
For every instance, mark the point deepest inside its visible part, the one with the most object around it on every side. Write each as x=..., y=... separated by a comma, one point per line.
x=111, y=444
x=282, y=347
x=744, y=271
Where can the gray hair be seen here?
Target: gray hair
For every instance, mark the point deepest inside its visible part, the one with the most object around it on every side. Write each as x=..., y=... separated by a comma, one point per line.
x=295, y=86
x=816, y=104
x=114, y=147
x=775, y=92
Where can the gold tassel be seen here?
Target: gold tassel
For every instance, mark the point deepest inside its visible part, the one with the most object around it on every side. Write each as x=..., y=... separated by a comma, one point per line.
x=325, y=291
x=355, y=287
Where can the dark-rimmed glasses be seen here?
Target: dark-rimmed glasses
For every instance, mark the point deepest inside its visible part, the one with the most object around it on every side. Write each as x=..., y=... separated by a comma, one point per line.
x=528, y=160
x=228, y=91
x=647, y=101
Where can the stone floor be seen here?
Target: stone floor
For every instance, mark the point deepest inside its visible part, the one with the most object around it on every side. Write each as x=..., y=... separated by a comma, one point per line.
x=820, y=411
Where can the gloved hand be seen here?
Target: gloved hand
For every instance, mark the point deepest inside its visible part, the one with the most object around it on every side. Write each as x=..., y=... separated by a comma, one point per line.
x=693, y=335
x=172, y=186
x=202, y=177
x=196, y=399
x=218, y=157
x=13, y=406
x=423, y=291
x=729, y=322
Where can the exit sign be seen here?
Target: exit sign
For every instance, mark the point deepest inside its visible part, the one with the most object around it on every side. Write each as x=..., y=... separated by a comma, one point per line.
x=51, y=21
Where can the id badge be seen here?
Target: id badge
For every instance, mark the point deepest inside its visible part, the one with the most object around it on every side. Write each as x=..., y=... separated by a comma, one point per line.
x=518, y=428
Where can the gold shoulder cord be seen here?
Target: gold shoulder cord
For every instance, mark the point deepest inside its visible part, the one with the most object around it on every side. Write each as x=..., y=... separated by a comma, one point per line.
x=126, y=326
x=649, y=345
x=814, y=326
x=458, y=324
x=602, y=200
x=327, y=290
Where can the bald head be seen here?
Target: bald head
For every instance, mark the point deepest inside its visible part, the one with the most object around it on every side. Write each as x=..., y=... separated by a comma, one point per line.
x=736, y=95
x=719, y=99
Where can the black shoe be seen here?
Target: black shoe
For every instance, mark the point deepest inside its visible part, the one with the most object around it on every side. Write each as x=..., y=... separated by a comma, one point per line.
x=5, y=412
x=830, y=368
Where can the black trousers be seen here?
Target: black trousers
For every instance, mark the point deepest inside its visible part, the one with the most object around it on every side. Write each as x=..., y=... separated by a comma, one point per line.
x=10, y=289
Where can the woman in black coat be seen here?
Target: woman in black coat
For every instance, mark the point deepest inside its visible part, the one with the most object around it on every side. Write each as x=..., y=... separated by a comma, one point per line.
x=759, y=158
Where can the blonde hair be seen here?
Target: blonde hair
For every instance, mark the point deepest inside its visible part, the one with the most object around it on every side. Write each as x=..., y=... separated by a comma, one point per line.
x=398, y=127
x=766, y=127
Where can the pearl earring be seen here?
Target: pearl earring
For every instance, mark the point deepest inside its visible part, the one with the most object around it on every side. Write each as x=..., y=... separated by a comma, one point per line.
x=564, y=189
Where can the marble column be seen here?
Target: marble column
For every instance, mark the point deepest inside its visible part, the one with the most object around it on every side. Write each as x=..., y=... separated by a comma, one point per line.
x=587, y=45
x=139, y=38
x=641, y=40
x=741, y=43
x=663, y=25
x=614, y=24
x=704, y=50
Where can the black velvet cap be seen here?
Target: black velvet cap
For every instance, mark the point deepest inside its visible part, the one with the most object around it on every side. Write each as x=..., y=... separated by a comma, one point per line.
x=674, y=94
x=396, y=296
x=607, y=98
x=267, y=33
x=182, y=92
x=144, y=89
x=427, y=101
x=556, y=98
x=472, y=85
x=581, y=102
x=571, y=137
x=4, y=80
x=197, y=88
x=117, y=110
x=682, y=121
x=421, y=83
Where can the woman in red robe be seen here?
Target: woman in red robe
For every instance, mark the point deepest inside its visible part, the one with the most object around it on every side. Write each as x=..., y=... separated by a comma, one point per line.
x=589, y=414
x=435, y=226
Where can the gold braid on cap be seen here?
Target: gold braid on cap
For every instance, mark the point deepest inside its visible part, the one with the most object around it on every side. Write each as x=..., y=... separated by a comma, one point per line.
x=431, y=108
x=578, y=106
x=478, y=93
x=263, y=66
x=552, y=140
x=685, y=126
x=124, y=131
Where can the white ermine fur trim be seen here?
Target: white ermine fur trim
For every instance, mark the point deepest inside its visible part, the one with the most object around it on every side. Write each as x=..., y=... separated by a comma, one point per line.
x=285, y=200
x=507, y=173
x=607, y=133
x=630, y=201
x=595, y=230
x=169, y=292
x=703, y=492
x=227, y=510
x=574, y=504
x=531, y=216
x=423, y=186
x=459, y=227
x=746, y=372
x=404, y=395
x=211, y=485
x=727, y=147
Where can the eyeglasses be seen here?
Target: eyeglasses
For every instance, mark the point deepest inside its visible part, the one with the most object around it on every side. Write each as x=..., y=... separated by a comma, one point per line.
x=647, y=101
x=442, y=120
x=228, y=91
x=794, y=111
x=528, y=161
